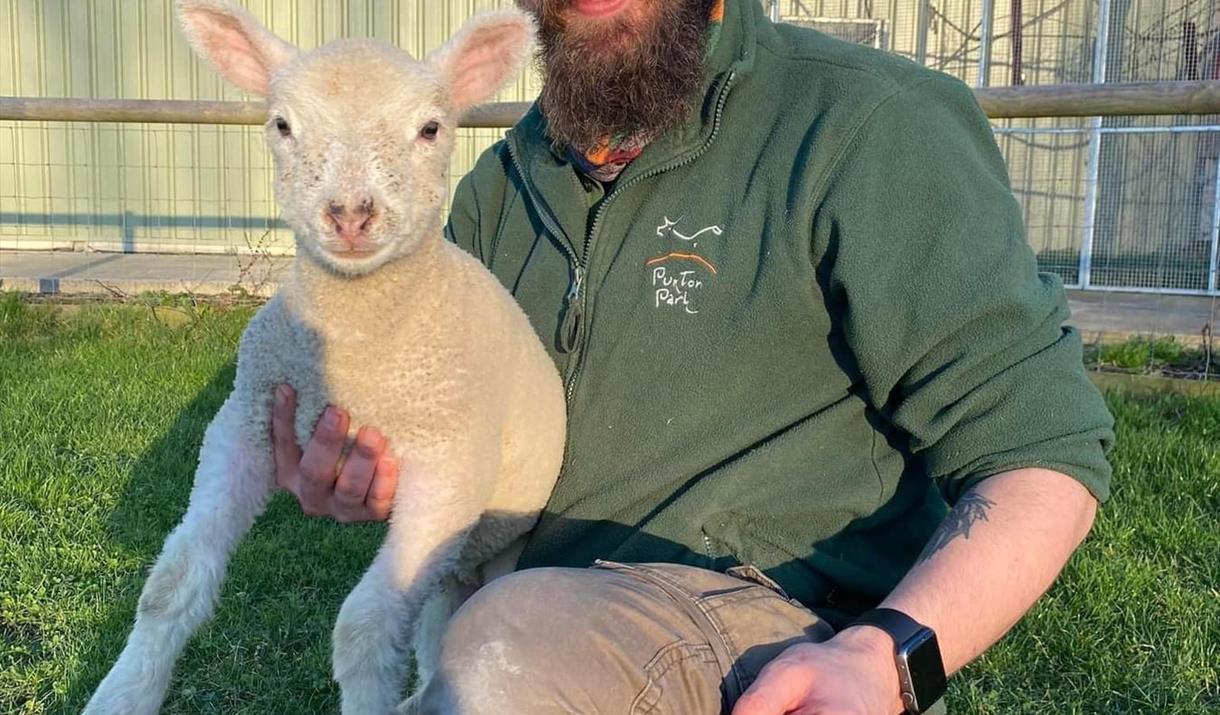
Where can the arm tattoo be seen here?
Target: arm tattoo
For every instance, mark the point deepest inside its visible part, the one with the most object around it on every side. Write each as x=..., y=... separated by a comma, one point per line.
x=970, y=509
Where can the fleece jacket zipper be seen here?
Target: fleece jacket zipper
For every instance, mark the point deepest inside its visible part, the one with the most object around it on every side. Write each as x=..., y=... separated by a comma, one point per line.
x=575, y=302
x=579, y=308
x=576, y=269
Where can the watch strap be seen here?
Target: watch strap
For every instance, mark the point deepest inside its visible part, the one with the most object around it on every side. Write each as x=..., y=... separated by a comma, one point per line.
x=897, y=624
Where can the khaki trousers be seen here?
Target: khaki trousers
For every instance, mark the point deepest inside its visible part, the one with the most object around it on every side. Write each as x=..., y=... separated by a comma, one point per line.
x=615, y=638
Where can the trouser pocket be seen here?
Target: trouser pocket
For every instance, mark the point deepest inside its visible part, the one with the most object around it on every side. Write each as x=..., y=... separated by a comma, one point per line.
x=746, y=617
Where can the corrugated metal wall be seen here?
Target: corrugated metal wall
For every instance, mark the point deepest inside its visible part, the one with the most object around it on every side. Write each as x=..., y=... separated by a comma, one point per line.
x=167, y=187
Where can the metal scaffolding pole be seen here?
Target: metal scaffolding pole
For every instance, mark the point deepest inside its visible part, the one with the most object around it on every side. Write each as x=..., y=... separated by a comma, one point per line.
x=921, y=29
x=1212, y=268
x=1016, y=32
x=1093, y=168
x=985, y=28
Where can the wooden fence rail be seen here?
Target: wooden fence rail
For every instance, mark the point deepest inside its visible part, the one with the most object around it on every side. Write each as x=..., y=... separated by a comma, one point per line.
x=1105, y=100
x=1063, y=100
x=169, y=111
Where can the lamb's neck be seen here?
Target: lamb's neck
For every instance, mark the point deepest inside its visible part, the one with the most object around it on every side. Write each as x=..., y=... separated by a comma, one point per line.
x=403, y=285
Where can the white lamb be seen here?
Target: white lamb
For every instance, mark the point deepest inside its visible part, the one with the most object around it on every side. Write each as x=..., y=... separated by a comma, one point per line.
x=384, y=317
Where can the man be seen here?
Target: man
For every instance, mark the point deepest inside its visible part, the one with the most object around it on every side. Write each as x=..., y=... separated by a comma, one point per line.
x=785, y=281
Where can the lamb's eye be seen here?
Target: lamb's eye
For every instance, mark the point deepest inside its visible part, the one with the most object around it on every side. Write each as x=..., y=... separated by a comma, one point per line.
x=429, y=131
x=282, y=126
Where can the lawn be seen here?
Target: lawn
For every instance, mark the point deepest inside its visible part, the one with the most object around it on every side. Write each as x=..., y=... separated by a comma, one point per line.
x=102, y=408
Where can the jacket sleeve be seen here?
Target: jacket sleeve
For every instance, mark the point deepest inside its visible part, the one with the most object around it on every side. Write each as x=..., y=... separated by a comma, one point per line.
x=958, y=340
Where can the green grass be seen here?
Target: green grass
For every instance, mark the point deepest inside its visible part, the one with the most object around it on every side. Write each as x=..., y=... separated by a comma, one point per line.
x=101, y=411
x=1144, y=352
x=1155, y=355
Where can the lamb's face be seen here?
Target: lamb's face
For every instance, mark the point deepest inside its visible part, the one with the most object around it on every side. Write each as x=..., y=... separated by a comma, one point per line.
x=362, y=136
x=361, y=132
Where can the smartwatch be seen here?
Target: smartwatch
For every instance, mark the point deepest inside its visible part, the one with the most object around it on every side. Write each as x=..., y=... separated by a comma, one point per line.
x=921, y=672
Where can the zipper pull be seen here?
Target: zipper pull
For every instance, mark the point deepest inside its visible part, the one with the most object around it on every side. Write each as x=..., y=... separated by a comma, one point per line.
x=578, y=281
x=569, y=330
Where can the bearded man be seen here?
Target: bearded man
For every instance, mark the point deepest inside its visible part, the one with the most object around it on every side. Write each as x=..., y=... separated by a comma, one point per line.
x=823, y=412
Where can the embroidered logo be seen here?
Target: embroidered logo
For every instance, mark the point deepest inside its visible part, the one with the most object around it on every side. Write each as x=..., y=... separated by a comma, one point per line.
x=679, y=275
x=668, y=227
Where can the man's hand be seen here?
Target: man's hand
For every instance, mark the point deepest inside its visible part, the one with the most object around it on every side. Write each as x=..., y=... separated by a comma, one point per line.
x=850, y=674
x=362, y=490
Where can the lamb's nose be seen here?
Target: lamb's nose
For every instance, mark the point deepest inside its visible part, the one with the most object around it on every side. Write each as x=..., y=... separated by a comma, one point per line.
x=351, y=219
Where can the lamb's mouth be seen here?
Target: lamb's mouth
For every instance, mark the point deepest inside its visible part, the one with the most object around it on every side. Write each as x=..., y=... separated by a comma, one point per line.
x=354, y=252
x=351, y=248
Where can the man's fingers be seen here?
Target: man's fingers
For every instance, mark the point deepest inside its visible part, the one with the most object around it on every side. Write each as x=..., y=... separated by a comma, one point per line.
x=381, y=492
x=354, y=481
x=779, y=689
x=321, y=459
x=283, y=437
x=362, y=491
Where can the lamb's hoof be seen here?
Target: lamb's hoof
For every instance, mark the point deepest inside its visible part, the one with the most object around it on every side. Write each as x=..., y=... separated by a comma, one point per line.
x=126, y=691
x=107, y=703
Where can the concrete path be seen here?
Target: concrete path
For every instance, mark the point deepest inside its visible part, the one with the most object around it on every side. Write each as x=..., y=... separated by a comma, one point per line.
x=1107, y=316
x=66, y=272
x=1099, y=315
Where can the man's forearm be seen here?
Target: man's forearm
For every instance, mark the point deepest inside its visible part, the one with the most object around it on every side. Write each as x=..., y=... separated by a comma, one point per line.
x=1000, y=548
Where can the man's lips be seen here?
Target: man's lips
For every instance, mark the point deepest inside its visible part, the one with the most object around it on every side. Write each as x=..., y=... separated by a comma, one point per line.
x=598, y=8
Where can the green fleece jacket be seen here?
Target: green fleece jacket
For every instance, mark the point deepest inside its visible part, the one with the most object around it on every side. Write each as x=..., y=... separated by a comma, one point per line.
x=796, y=328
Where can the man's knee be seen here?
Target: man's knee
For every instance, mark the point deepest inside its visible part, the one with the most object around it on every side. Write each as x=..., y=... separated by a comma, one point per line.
x=504, y=643
x=516, y=611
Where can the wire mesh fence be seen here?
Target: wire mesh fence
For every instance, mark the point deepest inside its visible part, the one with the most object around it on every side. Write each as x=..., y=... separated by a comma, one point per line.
x=1120, y=204
x=1155, y=222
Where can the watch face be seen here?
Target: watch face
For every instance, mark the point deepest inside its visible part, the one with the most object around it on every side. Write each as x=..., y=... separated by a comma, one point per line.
x=921, y=653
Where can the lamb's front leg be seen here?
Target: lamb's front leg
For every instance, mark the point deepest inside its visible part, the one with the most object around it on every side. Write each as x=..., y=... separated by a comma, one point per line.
x=232, y=483
x=434, y=511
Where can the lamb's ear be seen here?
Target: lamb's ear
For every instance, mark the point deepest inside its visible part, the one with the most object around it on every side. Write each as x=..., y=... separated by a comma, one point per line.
x=237, y=45
x=483, y=56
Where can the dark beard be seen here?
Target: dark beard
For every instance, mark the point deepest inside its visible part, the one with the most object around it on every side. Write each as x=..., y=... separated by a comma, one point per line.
x=645, y=87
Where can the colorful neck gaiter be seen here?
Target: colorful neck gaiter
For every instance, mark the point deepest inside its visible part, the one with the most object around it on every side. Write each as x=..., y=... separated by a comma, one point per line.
x=607, y=159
